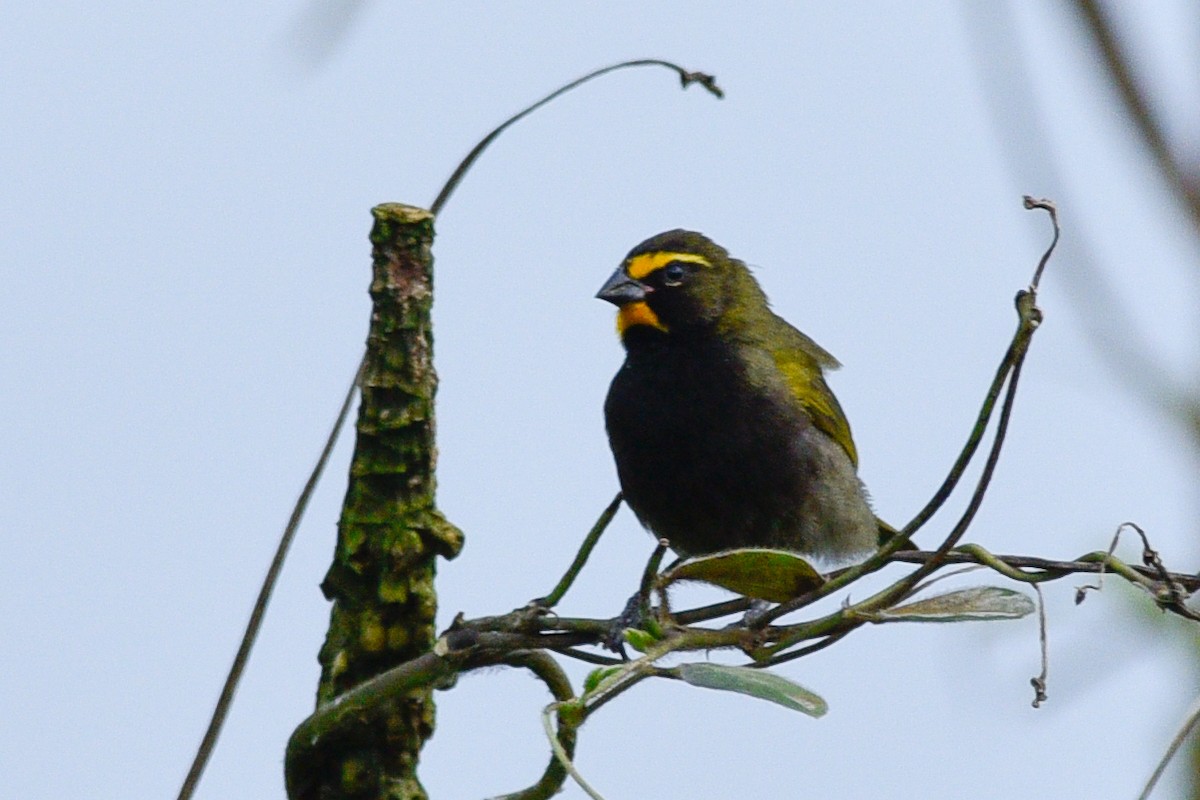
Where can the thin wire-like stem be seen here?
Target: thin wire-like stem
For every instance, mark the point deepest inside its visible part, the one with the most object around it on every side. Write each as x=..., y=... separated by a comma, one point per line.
x=900, y=540
x=1039, y=682
x=1009, y=372
x=1051, y=209
x=1189, y=724
x=590, y=658
x=901, y=588
x=650, y=572
x=1113, y=331
x=714, y=611
x=1048, y=569
x=686, y=78
x=254, y=625
x=800, y=652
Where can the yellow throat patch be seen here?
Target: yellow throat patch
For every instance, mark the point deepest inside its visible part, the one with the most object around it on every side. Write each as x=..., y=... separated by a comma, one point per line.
x=638, y=268
x=637, y=314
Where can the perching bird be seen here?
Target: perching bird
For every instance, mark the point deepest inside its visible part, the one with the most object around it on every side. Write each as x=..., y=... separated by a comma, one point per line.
x=724, y=431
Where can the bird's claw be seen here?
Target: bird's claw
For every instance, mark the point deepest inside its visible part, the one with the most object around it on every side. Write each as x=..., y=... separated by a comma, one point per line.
x=636, y=610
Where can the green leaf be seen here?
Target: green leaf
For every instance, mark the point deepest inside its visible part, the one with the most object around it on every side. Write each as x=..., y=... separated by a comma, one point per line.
x=597, y=676
x=639, y=639
x=965, y=605
x=762, y=573
x=756, y=683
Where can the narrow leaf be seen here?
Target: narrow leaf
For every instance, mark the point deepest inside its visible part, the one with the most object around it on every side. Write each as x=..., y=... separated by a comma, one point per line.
x=976, y=603
x=761, y=573
x=756, y=683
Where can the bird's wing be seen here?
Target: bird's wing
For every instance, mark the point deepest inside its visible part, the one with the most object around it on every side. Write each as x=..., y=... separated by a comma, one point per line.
x=794, y=339
x=808, y=387
x=800, y=360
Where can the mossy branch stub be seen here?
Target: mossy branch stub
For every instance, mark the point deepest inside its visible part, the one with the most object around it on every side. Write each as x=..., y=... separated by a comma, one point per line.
x=390, y=531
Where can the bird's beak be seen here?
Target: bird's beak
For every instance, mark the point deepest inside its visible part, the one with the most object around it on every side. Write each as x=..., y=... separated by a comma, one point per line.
x=621, y=290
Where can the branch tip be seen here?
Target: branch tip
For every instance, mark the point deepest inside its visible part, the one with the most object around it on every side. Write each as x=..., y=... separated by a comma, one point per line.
x=709, y=82
x=1039, y=682
x=1048, y=206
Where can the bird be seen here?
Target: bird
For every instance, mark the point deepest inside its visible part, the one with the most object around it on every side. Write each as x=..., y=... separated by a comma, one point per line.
x=724, y=432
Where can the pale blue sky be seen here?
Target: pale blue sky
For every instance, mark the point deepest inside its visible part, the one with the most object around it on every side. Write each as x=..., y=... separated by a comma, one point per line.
x=184, y=199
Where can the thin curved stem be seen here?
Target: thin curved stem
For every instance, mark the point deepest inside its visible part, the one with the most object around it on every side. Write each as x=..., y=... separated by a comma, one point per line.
x=685, y=77
x=1189, y=724
x=1047, y=569
x=254, y=625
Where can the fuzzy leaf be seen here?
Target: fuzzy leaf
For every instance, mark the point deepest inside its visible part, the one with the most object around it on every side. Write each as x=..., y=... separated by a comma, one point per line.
x=965, y=605
x=761, y=573
x=639, y=639
x=598, y=676
x=756, y=683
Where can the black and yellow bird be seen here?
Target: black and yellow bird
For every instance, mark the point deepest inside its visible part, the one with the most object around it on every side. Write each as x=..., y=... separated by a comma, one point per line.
x=724, y=431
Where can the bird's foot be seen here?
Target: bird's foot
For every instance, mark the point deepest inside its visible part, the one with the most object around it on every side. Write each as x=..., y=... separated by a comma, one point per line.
x=635, y=615
x=753, y=616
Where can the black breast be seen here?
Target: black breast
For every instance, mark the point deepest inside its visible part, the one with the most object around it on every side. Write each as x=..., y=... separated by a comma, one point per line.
x=705, y=458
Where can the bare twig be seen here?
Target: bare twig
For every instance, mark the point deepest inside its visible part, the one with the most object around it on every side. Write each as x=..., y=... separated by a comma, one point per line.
x=225, y=700
x=1189, y=724
x=1039, y=682
x=650, y=573
x=685, y=77
x=1047, y=569
x=800, y=652
x=1049, y=207
x=1030, y=318
x=1021, y=130
x=1171, y=594
x=1082, y=590
x=589, y=657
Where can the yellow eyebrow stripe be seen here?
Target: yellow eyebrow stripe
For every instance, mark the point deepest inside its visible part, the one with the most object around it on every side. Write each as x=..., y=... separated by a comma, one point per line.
x=641, y=266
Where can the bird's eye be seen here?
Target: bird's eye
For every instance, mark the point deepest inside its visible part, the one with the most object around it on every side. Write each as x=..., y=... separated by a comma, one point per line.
x=673, y=274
